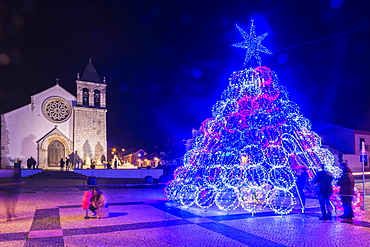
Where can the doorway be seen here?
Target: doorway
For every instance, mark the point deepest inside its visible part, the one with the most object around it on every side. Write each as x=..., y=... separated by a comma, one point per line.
x=56, y=151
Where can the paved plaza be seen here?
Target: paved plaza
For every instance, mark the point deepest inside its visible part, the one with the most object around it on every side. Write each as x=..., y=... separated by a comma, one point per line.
x=49, y=214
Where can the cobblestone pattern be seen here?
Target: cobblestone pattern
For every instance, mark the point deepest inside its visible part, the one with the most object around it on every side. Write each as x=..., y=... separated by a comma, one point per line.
x=143, y=217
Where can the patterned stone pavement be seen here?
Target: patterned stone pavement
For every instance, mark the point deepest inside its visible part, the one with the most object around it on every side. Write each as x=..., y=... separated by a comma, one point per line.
x=52, y=216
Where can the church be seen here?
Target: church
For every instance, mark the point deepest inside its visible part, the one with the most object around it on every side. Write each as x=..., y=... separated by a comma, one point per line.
x=57, y=124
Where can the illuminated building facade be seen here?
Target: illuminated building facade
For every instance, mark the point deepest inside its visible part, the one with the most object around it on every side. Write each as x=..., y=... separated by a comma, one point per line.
x=57, y=124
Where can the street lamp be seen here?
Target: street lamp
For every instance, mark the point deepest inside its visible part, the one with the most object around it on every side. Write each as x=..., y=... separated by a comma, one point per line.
x=114, y=150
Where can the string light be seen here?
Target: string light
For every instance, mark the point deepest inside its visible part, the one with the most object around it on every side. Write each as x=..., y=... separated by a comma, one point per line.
x=249, y=152
x=252, y=43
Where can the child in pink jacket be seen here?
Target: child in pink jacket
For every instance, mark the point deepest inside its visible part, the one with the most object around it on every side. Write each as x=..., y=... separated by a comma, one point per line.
x=86, y=201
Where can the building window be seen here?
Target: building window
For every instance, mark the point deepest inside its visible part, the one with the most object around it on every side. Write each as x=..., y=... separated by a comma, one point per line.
x=97, y=98
x=361, y=141
x=85, y=96
x=56, y=109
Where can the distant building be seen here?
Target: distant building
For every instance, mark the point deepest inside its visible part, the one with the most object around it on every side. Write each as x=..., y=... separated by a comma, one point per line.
x=57, y=124
x=132, y=156
x=140, y=159
x=152, y=160
x=345, y=144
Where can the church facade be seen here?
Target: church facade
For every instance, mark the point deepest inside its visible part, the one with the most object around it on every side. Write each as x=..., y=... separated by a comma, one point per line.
x=57, y=124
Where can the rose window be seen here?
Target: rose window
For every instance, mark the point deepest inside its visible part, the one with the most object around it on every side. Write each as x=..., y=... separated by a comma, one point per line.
x=56, y=109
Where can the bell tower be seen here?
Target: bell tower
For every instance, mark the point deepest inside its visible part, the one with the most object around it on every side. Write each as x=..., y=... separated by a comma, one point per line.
x=90, y=122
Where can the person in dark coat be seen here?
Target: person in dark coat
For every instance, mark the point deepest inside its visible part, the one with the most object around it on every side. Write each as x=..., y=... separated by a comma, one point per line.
x=29, y=165
x=33, y=162
x=346, y=192
x=324, y=180
x=67, y=164
x=61, y=162
x=302, y=177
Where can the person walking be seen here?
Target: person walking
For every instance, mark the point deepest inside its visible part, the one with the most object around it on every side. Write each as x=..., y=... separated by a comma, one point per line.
x=61, y=162
x=324, y=180
x=346, y=192
x=11, y=193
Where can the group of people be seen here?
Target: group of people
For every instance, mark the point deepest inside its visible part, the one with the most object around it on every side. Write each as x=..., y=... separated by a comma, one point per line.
x=324, y=189
x=31, y=163
x=96, y=202
x=66, y=163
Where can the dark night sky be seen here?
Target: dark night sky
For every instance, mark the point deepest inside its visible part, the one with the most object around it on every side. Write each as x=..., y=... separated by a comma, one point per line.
x=167, y=62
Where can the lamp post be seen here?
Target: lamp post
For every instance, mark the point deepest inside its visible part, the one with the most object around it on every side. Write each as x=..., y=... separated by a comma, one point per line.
x=363, y=158
x=114, y=150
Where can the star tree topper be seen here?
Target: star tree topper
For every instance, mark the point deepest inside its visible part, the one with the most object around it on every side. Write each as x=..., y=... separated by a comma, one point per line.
x=253, y=44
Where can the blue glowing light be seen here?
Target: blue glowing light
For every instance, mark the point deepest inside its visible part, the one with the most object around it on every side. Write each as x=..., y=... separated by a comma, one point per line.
x=252, y=43
x=336, y=3
x=248, y=153
x=197, y=73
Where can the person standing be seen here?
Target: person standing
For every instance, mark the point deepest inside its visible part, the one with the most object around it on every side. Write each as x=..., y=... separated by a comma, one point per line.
x=67, y=164
x=346, y=192
x=115, y=163
x=61, y=163
x=324, y=180
x=302, y=177
x=86, y=202
x=77, y=166
x=29, y=165
x=33, y=162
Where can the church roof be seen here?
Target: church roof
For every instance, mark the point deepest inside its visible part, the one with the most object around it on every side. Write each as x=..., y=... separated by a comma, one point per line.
x=90, y=74
x=330, y=127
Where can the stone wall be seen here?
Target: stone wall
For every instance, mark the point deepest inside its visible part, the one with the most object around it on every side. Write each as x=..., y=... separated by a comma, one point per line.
x=90, y=132
x=4, y=159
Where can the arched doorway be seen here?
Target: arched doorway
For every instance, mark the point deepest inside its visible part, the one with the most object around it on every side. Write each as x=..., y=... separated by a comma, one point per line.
x=56, y=151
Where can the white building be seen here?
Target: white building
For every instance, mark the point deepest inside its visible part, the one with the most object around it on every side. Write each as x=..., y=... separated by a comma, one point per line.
x=346, y=145
x=57, y=124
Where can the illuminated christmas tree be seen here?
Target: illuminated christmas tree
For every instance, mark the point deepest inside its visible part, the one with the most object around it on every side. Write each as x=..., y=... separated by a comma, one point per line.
x=249, y=151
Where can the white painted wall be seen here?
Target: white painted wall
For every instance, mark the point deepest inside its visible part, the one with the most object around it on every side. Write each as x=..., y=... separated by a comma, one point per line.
x=26, y=125
x=353, y=161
